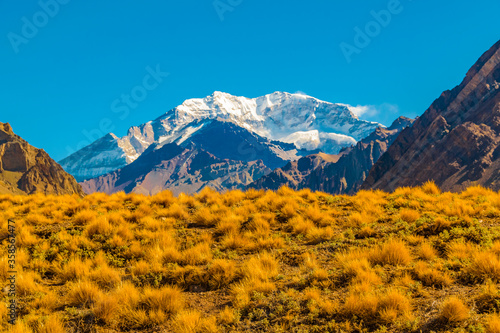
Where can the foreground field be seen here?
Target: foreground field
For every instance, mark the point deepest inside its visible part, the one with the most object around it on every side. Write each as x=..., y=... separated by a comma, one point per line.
x=414, y=260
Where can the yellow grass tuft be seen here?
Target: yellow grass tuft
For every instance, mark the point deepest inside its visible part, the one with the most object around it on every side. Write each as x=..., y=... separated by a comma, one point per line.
x=105, y=277
x=75, y=269
x=192, y=322
x=221, y=273
x=84, y=217
x=493, y=324
x=52, y=324
x=83, y=294
x=28, y=283
x=197, y=255
x=431, y=188
x=430, y=276
x=454, y=310
x=105, y=308
x=168, y=299
x=394, y=252
x=228, y=316
x=485, y=265
x=426, y=252
x=20, y=327
x=409, y=215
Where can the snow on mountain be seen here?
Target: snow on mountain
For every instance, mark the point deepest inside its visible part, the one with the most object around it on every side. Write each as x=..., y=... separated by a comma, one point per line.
x=305, y=121
x=275, y=116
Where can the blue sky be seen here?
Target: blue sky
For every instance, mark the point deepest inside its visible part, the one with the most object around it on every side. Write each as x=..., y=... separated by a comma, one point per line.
x=60, y=80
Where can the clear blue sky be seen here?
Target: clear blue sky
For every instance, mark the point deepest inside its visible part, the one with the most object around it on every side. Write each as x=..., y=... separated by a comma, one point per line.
x=64, y=79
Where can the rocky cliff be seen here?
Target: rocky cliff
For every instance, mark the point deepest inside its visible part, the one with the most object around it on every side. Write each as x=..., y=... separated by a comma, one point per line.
x=25, y=169
x=456, y=142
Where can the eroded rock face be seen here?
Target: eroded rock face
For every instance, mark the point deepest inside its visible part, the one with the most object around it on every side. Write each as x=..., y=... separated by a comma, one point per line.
x=456, y=142
x=25, y=169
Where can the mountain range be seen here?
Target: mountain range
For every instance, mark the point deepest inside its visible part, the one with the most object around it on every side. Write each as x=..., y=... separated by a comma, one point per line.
x=284, y=126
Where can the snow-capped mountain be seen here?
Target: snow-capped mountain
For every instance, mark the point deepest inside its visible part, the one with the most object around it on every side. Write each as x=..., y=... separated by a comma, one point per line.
x=303, y=121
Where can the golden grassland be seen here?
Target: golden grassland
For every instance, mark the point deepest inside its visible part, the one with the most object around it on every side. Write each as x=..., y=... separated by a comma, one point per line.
x=286, y=261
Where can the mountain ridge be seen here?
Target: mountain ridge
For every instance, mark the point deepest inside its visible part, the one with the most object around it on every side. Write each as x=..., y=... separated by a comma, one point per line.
x=455, y=143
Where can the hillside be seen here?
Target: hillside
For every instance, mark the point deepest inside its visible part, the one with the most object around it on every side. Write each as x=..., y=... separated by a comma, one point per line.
x=456, y=142
x=416, y=260
x=25, y=169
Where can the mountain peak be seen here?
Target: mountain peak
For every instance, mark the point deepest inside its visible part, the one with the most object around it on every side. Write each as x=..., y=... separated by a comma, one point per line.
x=6, y=128
x=301, y=121
x=401, y=123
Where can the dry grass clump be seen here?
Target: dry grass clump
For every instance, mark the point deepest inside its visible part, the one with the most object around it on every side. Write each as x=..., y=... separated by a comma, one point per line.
x=488, y=300
x=453, y=310
x=84, y=217
x=385, y=307
x=430, y=188
x=167, y=299
x=493, y=324
x=75, y=269
x=199, y=254
x=358, y=219
x=485, y=265
x=257, y=274
x=461, y=251
x=409, y=215
x=105, y=277
x=394, y=252
x=221, y=273
x=228, y=316
x=83, y=294
x=427, y=252
x=28, y=283
x=192, y=322
x=52, y=324
x=431, y=276
x=105, y=308
x=229, y=224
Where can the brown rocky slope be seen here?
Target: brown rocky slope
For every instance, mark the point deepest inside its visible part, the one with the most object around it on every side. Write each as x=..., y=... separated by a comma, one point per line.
x=456, y=143
x=178, y=169
x=25, y=169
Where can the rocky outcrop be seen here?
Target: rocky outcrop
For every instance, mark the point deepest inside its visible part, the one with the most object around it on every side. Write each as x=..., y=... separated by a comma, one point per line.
x=295, y=173
x=25, y=169
x=337, y=174
x=456, y=142
x=178, y=169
